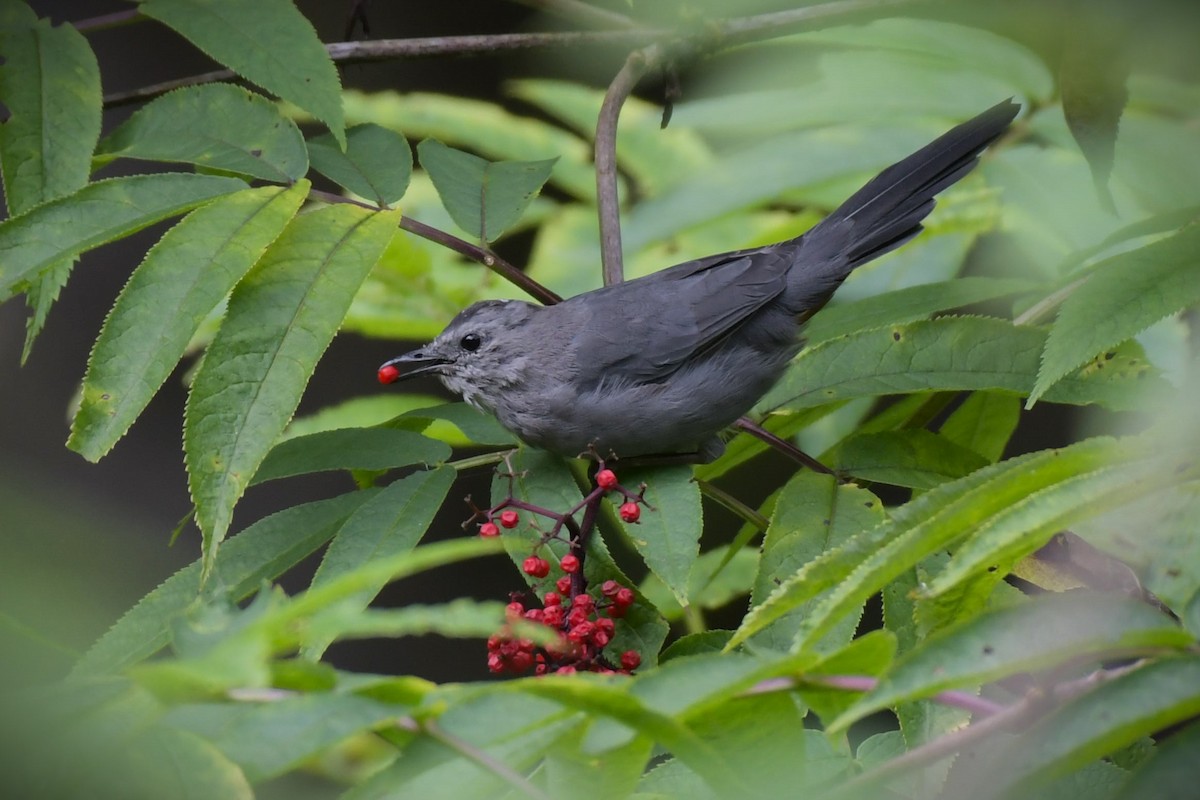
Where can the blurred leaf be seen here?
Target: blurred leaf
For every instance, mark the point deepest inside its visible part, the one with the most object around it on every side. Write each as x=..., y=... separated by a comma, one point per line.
x=261, y=552
x=96, y=214
x=983, y=423
x=482, y=127
x=813, y=515
x=869, y=655
x=215, y=126
x=1045, y=632
x=183, y=277
x=483, y=197
x=349, y=449
x=173, y=763
x=281, y=318
x=267, y=739
x=949, y=353
x=1091, y=77
x=907, y=305
x=667, y=536
x=377, y=163
x=712, y=583
x=915, y=459
x=388, y=524
x=1123, y=296
x=461, y=618
x=268, y=42
x=614, y=773
x=1117, y=712
x=50, y=83
x=1170, y=772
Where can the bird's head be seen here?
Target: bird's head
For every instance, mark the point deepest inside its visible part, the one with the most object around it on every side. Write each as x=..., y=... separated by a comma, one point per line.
x=481, y=352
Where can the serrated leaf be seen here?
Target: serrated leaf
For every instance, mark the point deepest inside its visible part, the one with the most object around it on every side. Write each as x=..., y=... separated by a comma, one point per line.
x=268, y=42
x=261, y=552
x=390, y=523
x=349, y=449
x=215, y=126
x=814, y=514
x=1124, y=295
x=40, y=296
x=1170, y=771
x=50, y=83
x=927, y=524
x=1045, y=632
x=908, y=304
x=483, y=197
x=280, y=319
x=182, y=278
x=377, y=163
x=984, y=423
x=915, y=459
x=949, y=353
x=667, y=537
x=1116, y=713
x=268, y=739
x=98, y=213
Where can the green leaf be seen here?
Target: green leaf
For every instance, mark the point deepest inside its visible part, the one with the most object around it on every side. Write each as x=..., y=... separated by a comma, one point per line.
x=478, y=427
x=949, y=353
x=462, y=618
x=1124, y=295
x=908, y=304
x=483, y=197
x=98, y=213
x=915, y=459
x=281, y=317
x=1045, y=632
x=613, y=773
x=984, y=423
x=1116, y=713
x=268, y=739
x=390, y=523
x=349, y=449
x=183, y=277
x=261, y=552
x=215, y=126
x=377, y=163
x=813, y=515
x=667, y=536
x=171, y=763
x=929, y=523
x=1170, y=772
x=50, y=83
x=268, y=42
x=40, y=297
x=716, y=579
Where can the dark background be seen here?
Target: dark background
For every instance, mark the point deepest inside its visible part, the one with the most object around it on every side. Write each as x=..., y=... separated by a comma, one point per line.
x=80, y=543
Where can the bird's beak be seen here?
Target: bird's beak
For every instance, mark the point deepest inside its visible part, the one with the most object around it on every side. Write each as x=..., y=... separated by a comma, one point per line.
x=410, y=365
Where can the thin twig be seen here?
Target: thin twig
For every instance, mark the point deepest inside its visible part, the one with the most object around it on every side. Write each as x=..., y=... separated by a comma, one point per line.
x=105, y=21
x=607, y=201
x=787, y=448
x=864, y=683
x=483, y=759
x=486, y=257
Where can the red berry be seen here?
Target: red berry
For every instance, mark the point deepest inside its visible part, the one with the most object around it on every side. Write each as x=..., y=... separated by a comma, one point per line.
x=509, y=518
x=577, y=616
x=624, y=597
x=534, y=615
x=606, y=479
x=495, y=663
x=515, y=609
x=606, y=625
x=582, y=632
x=488, y=530
x=552, y=599
x=521, y=662
x=630, y=660
x=609, y=588
x=584, y=601
x=569, y=563
x=563, y=584
x=630, y=512
x=552, y=616
x=567, y=670
x=537, y=567
x=388, y=374
x=617, y=612
x=601, y=638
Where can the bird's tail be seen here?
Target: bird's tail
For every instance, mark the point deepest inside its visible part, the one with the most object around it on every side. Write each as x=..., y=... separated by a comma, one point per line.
x=888, y=210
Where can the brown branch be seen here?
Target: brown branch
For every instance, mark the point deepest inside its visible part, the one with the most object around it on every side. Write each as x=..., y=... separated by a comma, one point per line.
x=864, y=683
x=105, y=21
x=787, y=448
x=486, y=257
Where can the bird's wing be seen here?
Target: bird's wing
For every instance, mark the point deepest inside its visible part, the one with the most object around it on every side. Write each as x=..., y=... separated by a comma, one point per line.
x=643, y=330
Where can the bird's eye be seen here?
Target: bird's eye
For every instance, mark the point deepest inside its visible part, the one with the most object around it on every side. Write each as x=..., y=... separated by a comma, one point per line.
x=470, y=342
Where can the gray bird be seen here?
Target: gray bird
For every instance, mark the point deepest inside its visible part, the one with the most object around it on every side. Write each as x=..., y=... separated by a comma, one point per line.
x=662, y=364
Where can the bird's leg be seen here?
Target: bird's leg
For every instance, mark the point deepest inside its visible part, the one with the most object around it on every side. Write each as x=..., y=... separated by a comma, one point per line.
x=787, y=448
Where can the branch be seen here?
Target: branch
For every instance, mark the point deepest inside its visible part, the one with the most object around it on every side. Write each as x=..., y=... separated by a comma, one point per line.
x=716, y=35
x=486, y=257
x=787, y=448
x=864, y=683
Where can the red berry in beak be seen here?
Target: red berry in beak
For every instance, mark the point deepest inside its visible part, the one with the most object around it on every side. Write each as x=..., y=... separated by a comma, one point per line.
x=388, y=374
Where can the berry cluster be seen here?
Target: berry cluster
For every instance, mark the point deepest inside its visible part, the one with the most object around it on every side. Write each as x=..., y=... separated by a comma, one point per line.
x=585, y=626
